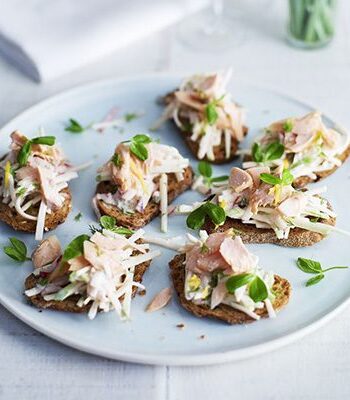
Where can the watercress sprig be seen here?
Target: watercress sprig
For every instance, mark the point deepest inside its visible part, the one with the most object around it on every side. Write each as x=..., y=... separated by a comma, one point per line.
x=23, y=155
x=285, y=180
x=75, y=127
x=206, y=171
x=137, y=146
x=110, y=223
x=314, y=267
x=272, y=151
x=211, y=113
x=17, y=251
x=256, y=286
x=215, y=213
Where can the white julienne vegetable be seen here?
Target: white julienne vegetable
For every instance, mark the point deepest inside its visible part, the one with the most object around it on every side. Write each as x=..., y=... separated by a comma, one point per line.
x=163, y=188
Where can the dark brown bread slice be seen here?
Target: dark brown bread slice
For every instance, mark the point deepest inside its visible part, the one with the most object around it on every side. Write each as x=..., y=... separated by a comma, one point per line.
x=303, y=181
x=70, y=304
x=219, y=151
x=281, y=288
x=11, y=217
x=137, y=219
x=251, y=234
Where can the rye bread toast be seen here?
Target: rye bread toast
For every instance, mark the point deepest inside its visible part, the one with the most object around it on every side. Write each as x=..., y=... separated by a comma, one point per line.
x=12, y=218
x=137, y=219
x=70, y=304
x=298, y=237
x=281, y=288
x=219, y=151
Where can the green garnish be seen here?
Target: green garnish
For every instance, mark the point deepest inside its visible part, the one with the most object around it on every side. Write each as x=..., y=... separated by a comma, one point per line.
x=17, y=251
x=256, y=286
x=314, y=267
x=24, y=153
x=78, y=217
x=272, y=151
x=75, y=248
x=288, y=125
x=211, y=114
x=205, y=169
x=128, y=117
x=137, y=146
x=74, y=126
x=110, y=223
x=286, y=179
x=215, y=213
x=116, y=160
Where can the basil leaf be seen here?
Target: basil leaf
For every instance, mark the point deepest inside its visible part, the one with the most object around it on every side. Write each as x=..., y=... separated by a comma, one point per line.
x=141, y=139
x=205, y=169
x=48, y=140
x=211, y=113
x=220, y=178
x=257, y=290
x=24, y=153
x=288, y=125
x=74, y=126
x=215, y=213
x=273, y=151
x=196, y=218
x=107, y=222
x=237, y=281
x=139, y=150
x=287, y=177
x=257, y=153
x=314, y=280
x=75, y=248
x=270, y=179
x=116, y=160
x=309, y=266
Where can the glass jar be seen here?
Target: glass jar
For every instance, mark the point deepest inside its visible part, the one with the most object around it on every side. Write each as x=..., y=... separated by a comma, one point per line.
x=311, y=22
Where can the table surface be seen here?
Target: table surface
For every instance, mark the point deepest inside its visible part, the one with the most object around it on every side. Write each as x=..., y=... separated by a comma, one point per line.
x=33, y=366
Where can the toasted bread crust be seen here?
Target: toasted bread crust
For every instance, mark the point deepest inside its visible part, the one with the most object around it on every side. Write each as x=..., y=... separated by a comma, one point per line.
x=298, y=237
x=219, y=151
x=70, y=304
x=11, y=217
x=281, y=287
x=137, y=219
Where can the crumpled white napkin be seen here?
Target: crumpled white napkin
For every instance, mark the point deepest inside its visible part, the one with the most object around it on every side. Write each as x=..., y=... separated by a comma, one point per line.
x=48, y=38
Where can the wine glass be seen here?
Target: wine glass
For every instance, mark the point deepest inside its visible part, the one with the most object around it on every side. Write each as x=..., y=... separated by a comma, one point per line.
x=211, y=30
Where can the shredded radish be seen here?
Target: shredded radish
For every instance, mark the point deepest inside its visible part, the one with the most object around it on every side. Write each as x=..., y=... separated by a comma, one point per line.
x=163, y=188
x=40, y=226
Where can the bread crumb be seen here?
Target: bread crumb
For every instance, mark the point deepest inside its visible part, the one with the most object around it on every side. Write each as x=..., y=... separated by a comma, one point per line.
x=202, y=337
x=141, y=292
x=180, y=326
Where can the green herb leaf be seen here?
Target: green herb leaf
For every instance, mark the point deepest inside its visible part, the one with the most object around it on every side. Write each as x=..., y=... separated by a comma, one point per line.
x=211, y=113
x=205, y=169
x=237, y=281
x=74, y=126
x=139, y=150
x=288, y=125
x=257, y=289
x=107, y=222
x=314, y=280
x=75, y=248
x=273, y=151
x=123, y=231
x=220, y=178
x=270, y=179
x=116, y=160
x=141, y=139
x=287, y=177
x=47, y=140
x=257, y=153
x=309, y=266
x=196, y=218
x=130, y=116
x=215, y=213
x=78, y=217
x=24, y=153
x=17, y=251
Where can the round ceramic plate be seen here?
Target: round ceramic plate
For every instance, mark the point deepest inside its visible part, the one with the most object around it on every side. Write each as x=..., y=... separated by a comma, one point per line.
x=154, y=338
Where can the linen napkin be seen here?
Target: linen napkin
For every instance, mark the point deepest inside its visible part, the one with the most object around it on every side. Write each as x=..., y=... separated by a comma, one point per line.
x=48, y=38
